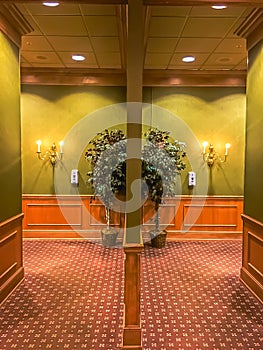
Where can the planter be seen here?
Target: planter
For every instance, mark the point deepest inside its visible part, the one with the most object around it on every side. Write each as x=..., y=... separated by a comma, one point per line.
x=109, y=237
x=158, y=238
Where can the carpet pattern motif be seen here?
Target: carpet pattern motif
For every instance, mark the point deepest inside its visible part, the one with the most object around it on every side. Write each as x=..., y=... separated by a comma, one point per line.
x=72, y=298
x=193, y=299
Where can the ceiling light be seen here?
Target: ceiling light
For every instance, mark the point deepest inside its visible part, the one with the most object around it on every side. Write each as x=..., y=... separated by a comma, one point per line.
x=78, y=57
x=41, y=57
x=219, y=7
x=188, y=59
x=51, y=4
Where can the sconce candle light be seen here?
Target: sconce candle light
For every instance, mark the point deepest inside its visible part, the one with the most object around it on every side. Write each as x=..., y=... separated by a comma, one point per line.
x=211, y=155
x=52, y=155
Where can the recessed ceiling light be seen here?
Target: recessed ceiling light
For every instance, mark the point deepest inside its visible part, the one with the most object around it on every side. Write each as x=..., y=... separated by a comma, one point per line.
x=224, y=59
x=41, y=57
x=78, y=57
x=188, y=59
x=51, y=4
x=219, y=7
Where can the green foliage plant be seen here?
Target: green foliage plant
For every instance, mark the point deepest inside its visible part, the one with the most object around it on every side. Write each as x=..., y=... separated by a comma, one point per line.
x=162, y=161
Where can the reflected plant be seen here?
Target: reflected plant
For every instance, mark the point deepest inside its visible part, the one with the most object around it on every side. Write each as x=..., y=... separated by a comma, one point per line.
x=162, y=161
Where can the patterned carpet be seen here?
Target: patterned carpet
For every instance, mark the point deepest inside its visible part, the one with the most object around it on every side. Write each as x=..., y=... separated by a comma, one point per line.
x=72, y=298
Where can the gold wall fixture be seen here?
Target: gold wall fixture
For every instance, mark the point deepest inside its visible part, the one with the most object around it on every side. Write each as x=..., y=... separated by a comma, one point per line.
x=52, y=154
x=210, y=155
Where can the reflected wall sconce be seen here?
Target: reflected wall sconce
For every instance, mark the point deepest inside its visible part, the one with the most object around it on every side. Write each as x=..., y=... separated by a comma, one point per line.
x=210, y=155
x=52, y=154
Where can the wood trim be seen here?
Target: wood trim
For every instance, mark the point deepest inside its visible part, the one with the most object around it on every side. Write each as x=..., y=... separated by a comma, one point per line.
x=73, y=76
x=252, y=29
x=212, y=215
x=13, y=23
x=117, y=77
x=176, y=77
x=91, y=2
x=253, y=3
x=11, y=235
x=252, y=263
x=11, y=266
x=89, y=218
x=252, y=284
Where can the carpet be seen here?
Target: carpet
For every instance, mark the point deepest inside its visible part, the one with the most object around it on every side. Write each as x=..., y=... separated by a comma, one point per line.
x=192, y=299
x=72, y=298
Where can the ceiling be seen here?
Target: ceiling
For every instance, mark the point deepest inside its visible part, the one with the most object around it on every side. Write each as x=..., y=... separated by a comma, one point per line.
x=98, y=32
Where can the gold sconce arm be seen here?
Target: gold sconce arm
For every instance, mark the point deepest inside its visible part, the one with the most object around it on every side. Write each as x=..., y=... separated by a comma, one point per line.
x=210, y=155
x=52, y=154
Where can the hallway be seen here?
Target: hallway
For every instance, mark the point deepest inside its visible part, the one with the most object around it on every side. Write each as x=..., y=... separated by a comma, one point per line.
x=72, y=298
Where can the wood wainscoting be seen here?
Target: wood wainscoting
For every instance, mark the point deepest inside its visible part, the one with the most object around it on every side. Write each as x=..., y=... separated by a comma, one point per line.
x=185, y=217
x=252, y=262
x=11, y=266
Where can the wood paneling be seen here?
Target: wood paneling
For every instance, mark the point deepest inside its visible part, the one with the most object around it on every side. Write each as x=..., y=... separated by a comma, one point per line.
x=11, y=266
x=183, y=217
x=42, y=215
x=252, y=264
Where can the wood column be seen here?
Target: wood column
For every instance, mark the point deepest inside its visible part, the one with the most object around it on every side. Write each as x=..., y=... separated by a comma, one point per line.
x=133, y=240
x=132, y=320
x=134, y=118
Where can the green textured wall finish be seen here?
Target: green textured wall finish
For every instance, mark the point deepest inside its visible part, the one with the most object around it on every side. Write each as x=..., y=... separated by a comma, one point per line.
x=254, y=129
x=216, y=115
x=51, y=112
x=10, y=133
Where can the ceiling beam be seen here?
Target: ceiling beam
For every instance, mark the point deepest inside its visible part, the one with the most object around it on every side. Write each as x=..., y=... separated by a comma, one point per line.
x=91, y=2
x=116, y=77
x=12, y=23
x=252, y=3
x=73, y=76
x=252, y=28
x=176, y=77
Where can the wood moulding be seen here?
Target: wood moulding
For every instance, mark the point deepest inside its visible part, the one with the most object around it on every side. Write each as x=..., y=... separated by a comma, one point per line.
x=253, y=3
x=252, y=28
x=12, y=23
x=115, y=77
x=11, y=265
x=252, y=267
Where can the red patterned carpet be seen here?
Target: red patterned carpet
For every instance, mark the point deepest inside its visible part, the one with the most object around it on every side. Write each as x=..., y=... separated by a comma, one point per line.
x=72, y=298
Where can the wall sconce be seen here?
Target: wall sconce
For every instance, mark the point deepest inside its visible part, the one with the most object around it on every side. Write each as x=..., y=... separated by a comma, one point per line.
x=211, y=155
x=52, y=155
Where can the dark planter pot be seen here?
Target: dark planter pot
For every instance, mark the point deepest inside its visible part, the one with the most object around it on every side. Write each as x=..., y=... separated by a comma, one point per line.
x=158, y=238
x=109, y=237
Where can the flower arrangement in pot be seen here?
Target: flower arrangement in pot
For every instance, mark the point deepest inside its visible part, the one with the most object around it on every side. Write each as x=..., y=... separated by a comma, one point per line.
x=161, y=162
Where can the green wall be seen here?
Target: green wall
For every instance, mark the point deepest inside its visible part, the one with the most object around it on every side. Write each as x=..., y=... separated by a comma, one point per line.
x=254, y=129
x=52, y=113
x=213, y=114
x=10, y=132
